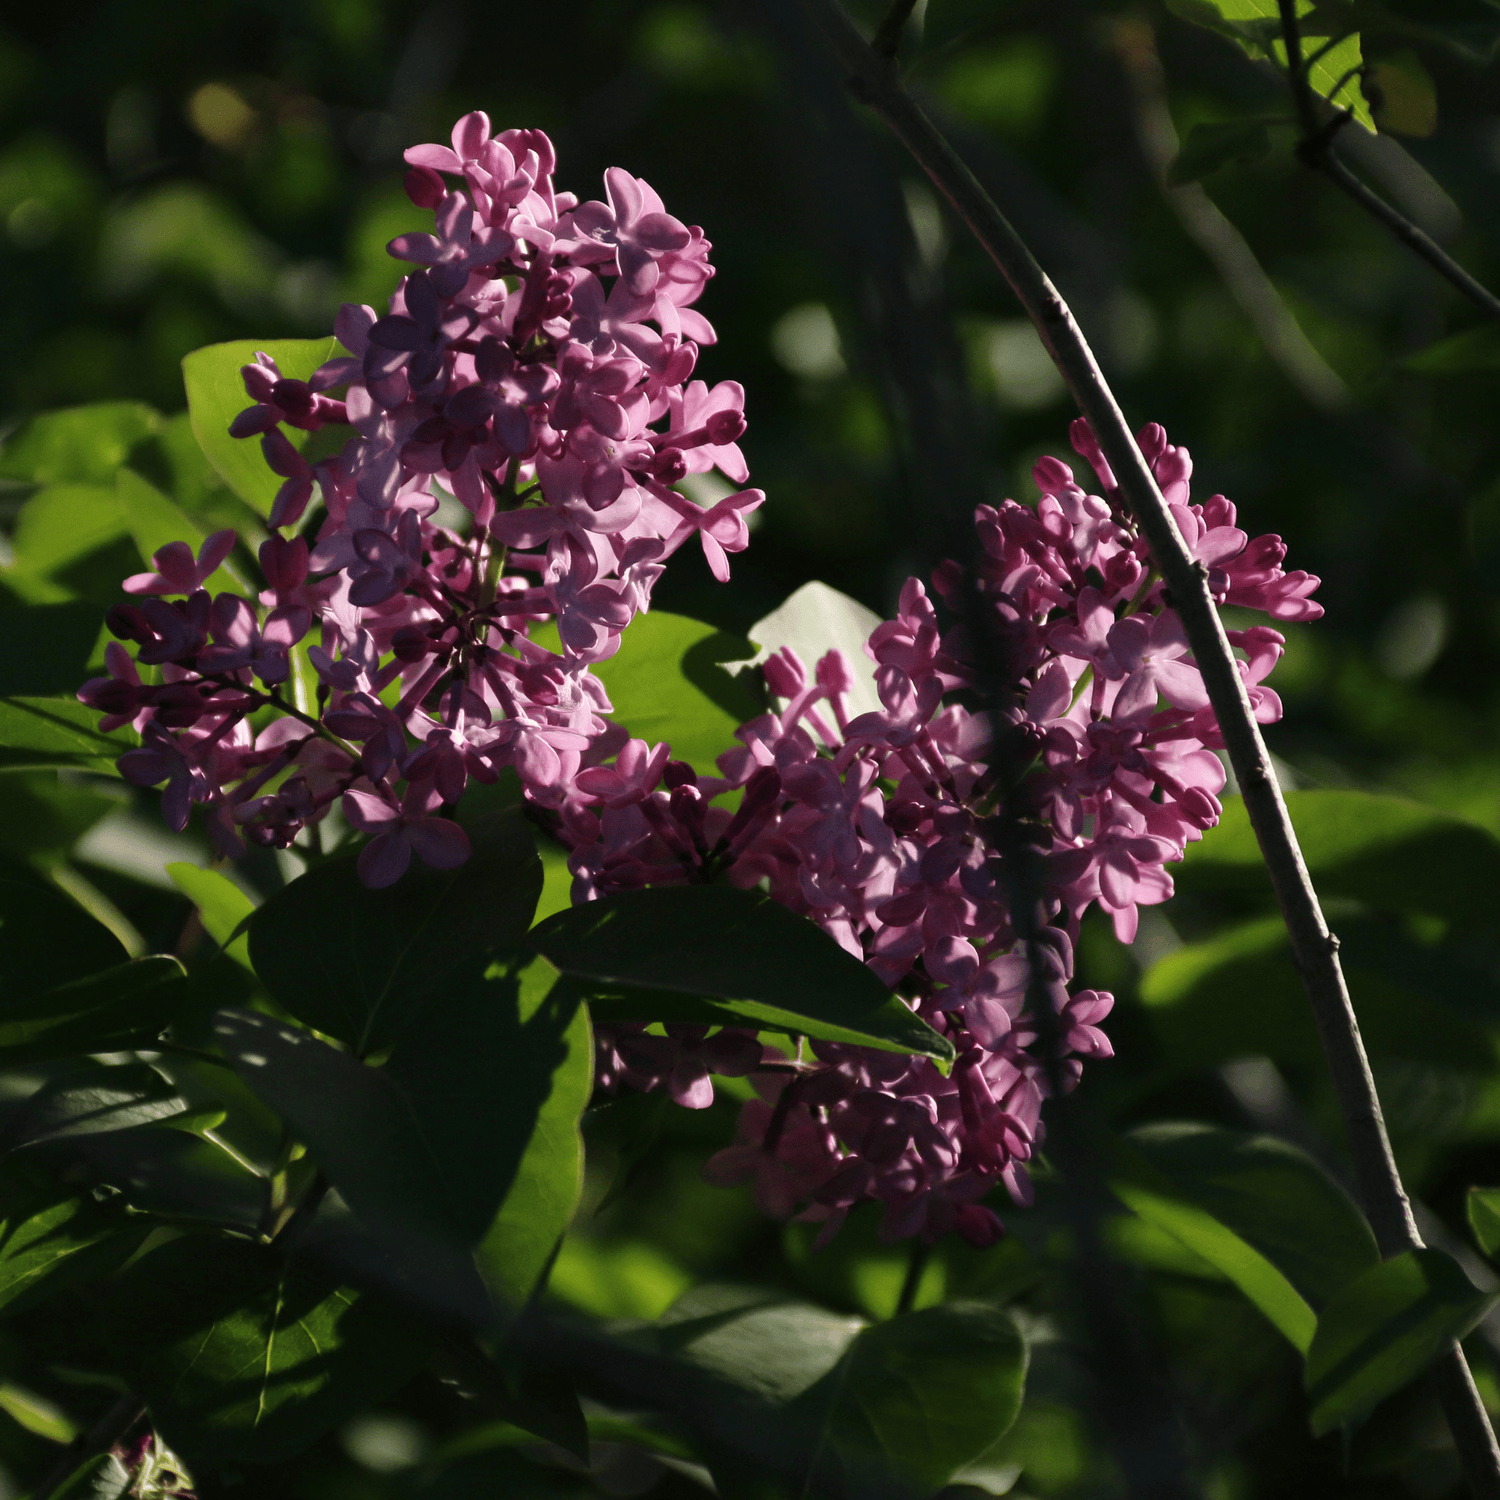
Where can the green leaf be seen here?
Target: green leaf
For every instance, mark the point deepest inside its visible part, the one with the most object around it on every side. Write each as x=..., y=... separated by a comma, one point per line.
x=666, y=684
x=71, y=541
x=815, y=620
x=222, y=907
x=1260, y=1211
x=1384, y=1329
x=1484, y=1218
x=1211, y=146
x=920, y=1396
x=361, y=965
x=1460, y=353
x=544, y=1195
x=711, y=953
x=1256, y=26
x=45, y=816
x=216, y=396
x=120, y=1008
x=1393, y=854
x=102, y=1477
x=243, y=1356
x=1239, y=994
x=431, y=1143
x=821, y=1404
x=154, y=521
x=49, y=1242
x=40, y=732
x=47, y=940
x=80, y=445
x=94, y=1100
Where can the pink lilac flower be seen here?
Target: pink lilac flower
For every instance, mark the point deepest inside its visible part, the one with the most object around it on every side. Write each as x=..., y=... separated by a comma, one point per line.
x=895, y=830
x=534, y=365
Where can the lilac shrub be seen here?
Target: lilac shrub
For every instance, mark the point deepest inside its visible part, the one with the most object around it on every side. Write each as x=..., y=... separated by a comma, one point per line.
x=537, y=368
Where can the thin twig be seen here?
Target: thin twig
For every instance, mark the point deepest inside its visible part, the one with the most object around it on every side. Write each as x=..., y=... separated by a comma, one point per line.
x=916, y=1264
x=1314, y=947
x=1316, y=150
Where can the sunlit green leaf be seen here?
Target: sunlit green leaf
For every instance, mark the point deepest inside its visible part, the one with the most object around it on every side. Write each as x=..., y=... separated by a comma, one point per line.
x=1484, y=1217
x=431, y=1143
x=216, y=396
x=92, y=1100
x=39, y=732
x=1384, y=1329
x=48, y=1241
x=222, y=906
x=243, y=1355
x=666, y=684
x=711, y=953
x=361, y=964
x=544, y=1194
x=817, y=619
x=70, y=541
x=1256, y=26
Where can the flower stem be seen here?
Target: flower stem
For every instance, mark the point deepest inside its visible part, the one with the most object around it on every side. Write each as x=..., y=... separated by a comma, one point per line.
x=921, y=1253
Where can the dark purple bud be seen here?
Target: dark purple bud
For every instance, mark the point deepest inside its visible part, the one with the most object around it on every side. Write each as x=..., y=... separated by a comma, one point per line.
x=126, y=623
x=668, y=466
x=492, y=360
x=411, y=644
x=293, y=396
x=679, y=773
x=725, y=427
x=424, y=187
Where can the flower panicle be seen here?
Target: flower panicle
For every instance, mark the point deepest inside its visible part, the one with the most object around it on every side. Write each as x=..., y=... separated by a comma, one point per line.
x=534, y=366
x=901, y=830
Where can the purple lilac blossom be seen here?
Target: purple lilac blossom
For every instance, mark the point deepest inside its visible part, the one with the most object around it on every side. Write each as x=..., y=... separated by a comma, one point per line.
x=535, y=365
x=888, y=831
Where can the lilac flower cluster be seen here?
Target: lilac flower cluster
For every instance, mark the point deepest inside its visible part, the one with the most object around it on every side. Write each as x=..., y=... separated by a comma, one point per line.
x=536, y=369
x=536, y=366
x=894, y=831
